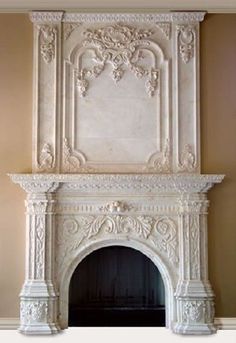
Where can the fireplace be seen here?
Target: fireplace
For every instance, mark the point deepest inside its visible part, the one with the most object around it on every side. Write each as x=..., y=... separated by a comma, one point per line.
x=116, y=170
x=116, y=286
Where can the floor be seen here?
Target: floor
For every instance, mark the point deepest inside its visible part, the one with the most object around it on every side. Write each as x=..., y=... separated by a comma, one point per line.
x=115, y=335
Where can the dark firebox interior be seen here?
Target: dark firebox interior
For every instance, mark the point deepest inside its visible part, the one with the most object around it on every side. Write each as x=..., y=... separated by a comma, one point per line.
x=116, y=286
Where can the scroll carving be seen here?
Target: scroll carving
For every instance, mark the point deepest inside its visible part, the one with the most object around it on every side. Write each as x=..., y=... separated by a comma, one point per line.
x=47, y=34
x=73, y=163
x=160, y=163
x=121, y=46
x=161, y=232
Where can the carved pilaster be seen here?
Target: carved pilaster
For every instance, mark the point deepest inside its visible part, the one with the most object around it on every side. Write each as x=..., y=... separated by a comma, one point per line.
x=47, y=63
x=195, y=306
x=39, y=301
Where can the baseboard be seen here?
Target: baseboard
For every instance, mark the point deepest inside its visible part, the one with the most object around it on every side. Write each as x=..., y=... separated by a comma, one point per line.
x=221, y=323
x=226, y=323
x=9, y=323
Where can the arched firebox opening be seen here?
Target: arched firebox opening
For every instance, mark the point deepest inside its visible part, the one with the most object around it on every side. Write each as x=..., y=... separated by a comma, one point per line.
x=116, y=286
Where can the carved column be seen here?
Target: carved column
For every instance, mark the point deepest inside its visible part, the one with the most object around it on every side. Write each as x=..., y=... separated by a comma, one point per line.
x=194, y=295
x=39, y=300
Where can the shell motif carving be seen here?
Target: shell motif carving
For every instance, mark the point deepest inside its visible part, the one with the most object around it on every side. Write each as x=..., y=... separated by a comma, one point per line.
x=118, y=45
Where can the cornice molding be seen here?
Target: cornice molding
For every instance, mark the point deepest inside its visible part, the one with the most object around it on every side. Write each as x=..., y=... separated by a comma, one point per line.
x=137, y=183
x=79, y=17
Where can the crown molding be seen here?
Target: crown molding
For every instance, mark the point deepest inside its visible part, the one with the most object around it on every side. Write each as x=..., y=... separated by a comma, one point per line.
x=23, y=6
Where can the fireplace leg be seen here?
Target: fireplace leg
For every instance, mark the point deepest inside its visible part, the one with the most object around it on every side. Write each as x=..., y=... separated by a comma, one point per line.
x=38, y=309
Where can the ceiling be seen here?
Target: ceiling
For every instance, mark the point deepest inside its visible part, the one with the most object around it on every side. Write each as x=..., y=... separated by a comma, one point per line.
x=211, y=6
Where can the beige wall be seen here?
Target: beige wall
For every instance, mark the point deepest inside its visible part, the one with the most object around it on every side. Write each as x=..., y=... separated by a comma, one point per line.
x=218, y=121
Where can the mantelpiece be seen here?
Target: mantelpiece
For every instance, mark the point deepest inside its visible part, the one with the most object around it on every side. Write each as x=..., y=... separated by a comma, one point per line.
x=116, y=159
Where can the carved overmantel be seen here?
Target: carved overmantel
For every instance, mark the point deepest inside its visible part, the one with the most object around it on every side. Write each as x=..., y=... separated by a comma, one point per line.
x=116, y=159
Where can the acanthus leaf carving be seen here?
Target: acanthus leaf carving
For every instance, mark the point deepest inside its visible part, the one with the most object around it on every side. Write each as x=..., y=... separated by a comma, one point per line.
x=118, y=45
x=166, y=238
x=186, y=42
x=161, y=231
x=47, y=36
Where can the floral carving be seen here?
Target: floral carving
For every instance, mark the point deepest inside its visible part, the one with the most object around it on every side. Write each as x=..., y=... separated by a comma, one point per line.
x=74, y=230
x=193, y=310
x=40, y=240
x=47, y=42
x=188, y=160
x=115, y=206
x=194, y=247
x=118, y=45
x=186, y=42
x=46, y=160
x=165, y=29
x=33, y=311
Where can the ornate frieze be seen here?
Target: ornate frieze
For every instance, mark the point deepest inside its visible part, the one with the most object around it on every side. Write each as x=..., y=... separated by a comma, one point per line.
x=74, y=231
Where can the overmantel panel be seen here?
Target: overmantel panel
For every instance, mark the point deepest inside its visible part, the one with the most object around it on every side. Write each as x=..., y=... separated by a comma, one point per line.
x=116, y=92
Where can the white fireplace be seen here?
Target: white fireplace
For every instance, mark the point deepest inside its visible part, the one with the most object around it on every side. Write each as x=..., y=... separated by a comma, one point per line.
x=116, y=160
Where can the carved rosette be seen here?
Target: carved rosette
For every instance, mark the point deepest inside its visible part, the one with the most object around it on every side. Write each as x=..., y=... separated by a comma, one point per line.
x=122, y=47
x=47, y=39
x=186, y=39
x=75, y=230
